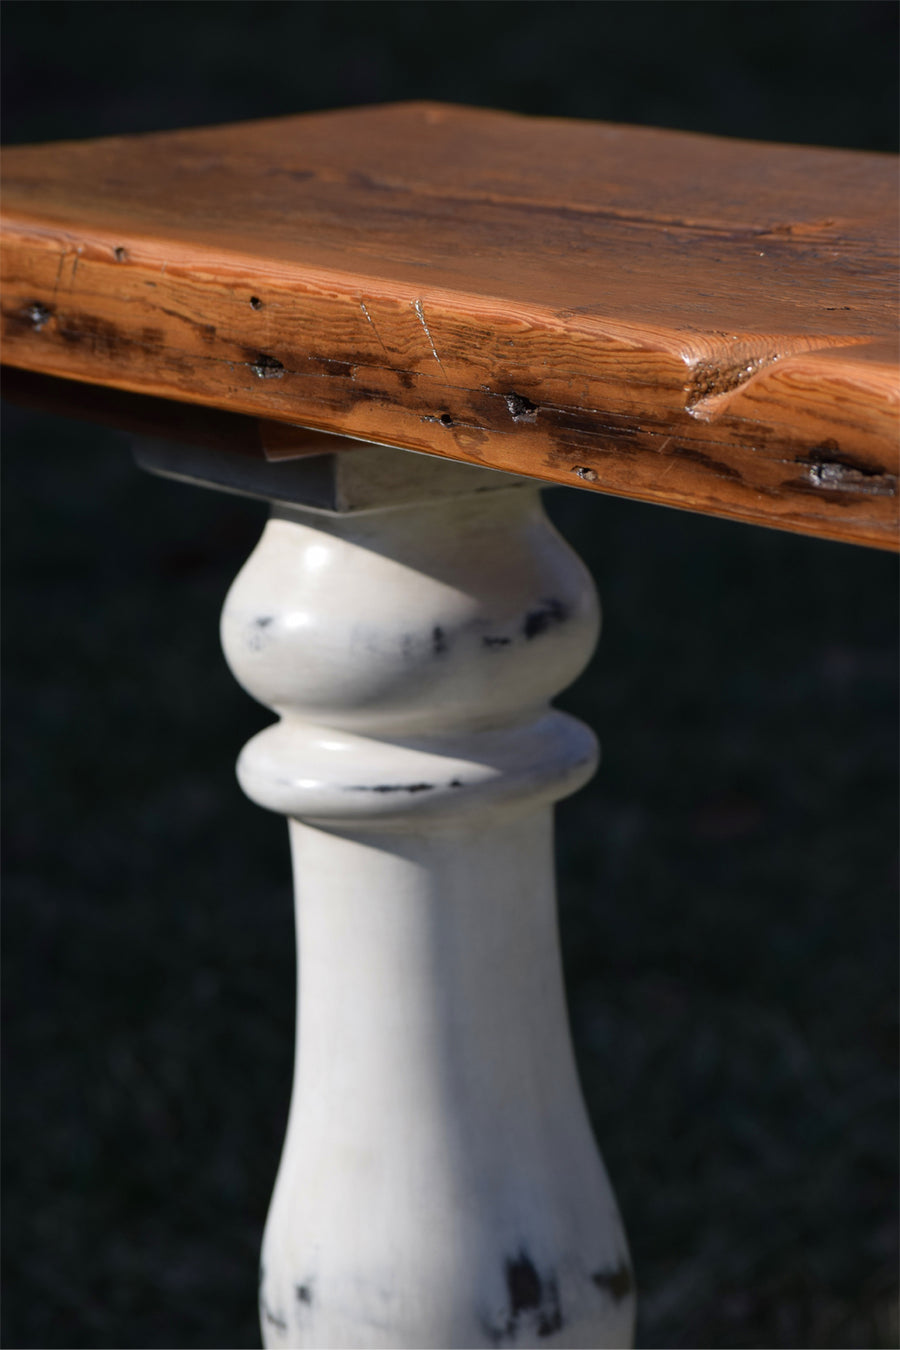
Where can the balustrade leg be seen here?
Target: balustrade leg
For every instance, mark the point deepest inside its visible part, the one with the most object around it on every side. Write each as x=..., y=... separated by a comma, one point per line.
x=439, y=1185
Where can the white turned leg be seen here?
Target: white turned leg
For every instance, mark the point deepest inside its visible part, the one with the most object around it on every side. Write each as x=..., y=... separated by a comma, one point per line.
x=440, y=1185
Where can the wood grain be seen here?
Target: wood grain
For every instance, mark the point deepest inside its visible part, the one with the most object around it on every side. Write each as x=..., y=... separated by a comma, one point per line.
x=706, y=323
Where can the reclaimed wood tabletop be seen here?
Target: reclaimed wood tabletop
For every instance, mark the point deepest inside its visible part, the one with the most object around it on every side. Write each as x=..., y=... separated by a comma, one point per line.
x=690, y=320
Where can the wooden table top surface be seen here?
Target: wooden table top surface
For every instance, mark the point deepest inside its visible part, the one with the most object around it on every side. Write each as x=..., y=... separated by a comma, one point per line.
x=701, y=322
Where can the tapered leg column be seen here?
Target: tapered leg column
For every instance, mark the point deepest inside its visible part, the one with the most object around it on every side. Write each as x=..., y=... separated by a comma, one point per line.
x=439, y=1185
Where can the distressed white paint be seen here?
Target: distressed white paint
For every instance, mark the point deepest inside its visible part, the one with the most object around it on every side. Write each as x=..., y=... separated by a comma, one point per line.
x=440, y=1185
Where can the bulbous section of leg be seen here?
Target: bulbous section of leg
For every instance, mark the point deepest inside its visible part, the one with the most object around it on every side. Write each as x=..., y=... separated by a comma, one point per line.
x=411, y=654
x=409, y=621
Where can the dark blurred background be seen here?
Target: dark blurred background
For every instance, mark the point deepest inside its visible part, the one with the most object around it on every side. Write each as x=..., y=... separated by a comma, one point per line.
x=728, y=883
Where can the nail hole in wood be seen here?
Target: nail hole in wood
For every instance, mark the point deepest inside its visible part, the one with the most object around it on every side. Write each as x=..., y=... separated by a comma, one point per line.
x=521, y=409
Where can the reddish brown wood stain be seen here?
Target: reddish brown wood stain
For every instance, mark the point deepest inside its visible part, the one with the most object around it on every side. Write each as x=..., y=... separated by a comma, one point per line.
x=705, y=323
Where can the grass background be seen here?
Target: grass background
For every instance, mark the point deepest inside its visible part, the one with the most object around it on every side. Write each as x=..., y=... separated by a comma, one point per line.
x=728, y=882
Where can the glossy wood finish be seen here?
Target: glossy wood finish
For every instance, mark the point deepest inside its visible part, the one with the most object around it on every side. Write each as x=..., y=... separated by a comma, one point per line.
x=699, y=322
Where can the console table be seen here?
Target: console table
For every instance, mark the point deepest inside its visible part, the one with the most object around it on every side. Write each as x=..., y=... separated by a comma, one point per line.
x=395, y=324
